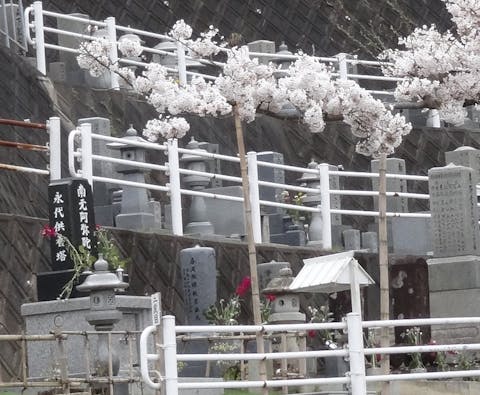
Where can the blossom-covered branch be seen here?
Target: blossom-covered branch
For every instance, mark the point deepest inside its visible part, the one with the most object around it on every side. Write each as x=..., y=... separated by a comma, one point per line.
x=307, y=87
x=441, y=70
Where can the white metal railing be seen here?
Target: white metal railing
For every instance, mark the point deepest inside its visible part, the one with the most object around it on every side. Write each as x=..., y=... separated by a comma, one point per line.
x=354, y=351
x=53, y=147
x=40, y=27
x=63, y=348
x=11, y=19
x=174, y=171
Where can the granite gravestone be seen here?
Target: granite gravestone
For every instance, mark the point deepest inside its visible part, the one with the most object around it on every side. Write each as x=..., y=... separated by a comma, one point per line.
x=465, y=156
x=71, y=215
x=454, y=272
x=198, y=265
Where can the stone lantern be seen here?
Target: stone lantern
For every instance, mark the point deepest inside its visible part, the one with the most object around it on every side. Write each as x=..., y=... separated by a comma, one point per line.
x=163, y=59
x=134, y=209
x=282, y=62
x=198, y=212
x=286, y=306
x=285, y=310
x=311, y=180
x=103, y=315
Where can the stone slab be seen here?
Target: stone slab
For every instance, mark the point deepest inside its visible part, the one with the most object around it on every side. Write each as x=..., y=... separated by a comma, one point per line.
x=411, y=235
x=455, y=303
x=455, y=273
x=227, y=217
x=44, y=317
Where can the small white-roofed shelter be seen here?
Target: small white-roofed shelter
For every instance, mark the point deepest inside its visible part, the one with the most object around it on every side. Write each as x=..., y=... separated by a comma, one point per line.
x=333, y=273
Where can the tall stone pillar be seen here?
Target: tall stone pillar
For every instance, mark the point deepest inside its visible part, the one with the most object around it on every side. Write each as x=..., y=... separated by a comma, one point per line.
x=454, y=272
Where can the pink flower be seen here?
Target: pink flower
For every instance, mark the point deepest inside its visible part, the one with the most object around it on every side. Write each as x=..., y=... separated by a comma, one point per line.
x=48, y=232
x=244, y=286
x=270, y=297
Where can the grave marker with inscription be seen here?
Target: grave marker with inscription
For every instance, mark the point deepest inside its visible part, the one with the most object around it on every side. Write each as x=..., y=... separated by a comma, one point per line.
x=71, y=215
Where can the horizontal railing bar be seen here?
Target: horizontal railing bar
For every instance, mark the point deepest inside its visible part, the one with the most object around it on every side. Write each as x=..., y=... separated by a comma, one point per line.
x=131, y=183
x=421, y=349
x=376, y=175
x=74, y=18
x=258, y=328
x=226, y=158
x=143, y=165
x=211, y=195
x=374, y=77
x=287, y=167
x=25, y=124
x=349, y=192
x=144, y=33
x=69, y=33
x=265, y=356
x=24, y=169
x=421, y=322
x=423, y=376
x=29, y=337
x=264, y=384
x=122, y=142
x=24, y=146
x=212, y=176
x=60, y=48
x=366, y=213
x=288, y=206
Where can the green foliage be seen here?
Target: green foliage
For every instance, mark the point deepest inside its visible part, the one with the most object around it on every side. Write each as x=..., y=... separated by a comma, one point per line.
x=413, y=337
x=224, y=312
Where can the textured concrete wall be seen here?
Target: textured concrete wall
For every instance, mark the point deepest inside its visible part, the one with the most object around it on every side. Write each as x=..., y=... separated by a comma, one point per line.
x=326, y=27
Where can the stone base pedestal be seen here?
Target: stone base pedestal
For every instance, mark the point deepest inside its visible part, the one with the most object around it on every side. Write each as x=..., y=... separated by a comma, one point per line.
x=137, y=221
x=454, y=285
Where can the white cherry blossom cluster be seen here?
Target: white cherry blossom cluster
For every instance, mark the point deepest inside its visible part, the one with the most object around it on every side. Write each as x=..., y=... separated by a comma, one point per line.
x=206, y=45
x=130, y=47
x=441, y=70
x=94, y=56
x=251, y=86
x=166, y=127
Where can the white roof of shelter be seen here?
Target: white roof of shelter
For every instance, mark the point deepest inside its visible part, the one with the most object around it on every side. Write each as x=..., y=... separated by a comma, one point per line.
x=329, y=273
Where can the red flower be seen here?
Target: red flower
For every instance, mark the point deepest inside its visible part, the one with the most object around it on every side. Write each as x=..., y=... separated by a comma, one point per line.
x=270, y=297
x=48, y=232
x=98, y=227
x=244, y=286
x=311, y=333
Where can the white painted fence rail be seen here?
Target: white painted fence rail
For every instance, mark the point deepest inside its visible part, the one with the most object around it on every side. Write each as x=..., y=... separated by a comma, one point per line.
x=174, y=171
x=354, y=351
x=52, y=149
x=43, y=20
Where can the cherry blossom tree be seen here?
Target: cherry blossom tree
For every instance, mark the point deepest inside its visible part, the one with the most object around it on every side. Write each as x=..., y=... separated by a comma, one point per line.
x=440, y=69
x=244, y=88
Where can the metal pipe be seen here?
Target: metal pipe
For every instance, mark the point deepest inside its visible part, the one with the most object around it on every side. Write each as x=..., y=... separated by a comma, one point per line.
x=170, y=352
x=24, y=146
x=175, y=189
x=71, y=153
x=25, y=124
x=39, y=37
x=86, y=147
x=113, y=51
x=355, y=352
x=254, y=196
x=182, y=66
x=55, y=146
x=325, y=206
x=24, y=169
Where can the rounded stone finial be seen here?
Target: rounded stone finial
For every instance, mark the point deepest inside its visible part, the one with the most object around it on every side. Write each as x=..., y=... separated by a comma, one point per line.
x=285, y=272
x=193, y=144
x=101, y=265
x=131, y=131
x=312, y=164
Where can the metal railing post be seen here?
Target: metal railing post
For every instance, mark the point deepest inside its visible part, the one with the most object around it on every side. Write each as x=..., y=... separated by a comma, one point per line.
x=175, y=193
x=39, y=37
x=113, y=52
x=170, y=352
x=252, y=168
x=6, y=33
x=53, y=127
x=357, y=357
x=86, y=152
x=325, y=206
x=342, y=66
x=182, y=65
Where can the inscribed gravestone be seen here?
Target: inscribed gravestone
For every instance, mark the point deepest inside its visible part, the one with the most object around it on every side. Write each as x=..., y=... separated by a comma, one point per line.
x=453, y=205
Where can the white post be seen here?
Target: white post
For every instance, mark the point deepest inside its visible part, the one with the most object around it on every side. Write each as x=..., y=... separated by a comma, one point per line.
x=175, y=194
x=325, y=206
x=53, y=127
x=86, y=148
x=254, y=196
x=342, y=66
x=355, y=351
x=170, y=352
x=433, y=118
x=39, y=37
x=182, y=65
x=355, y=287
x=113, y=53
